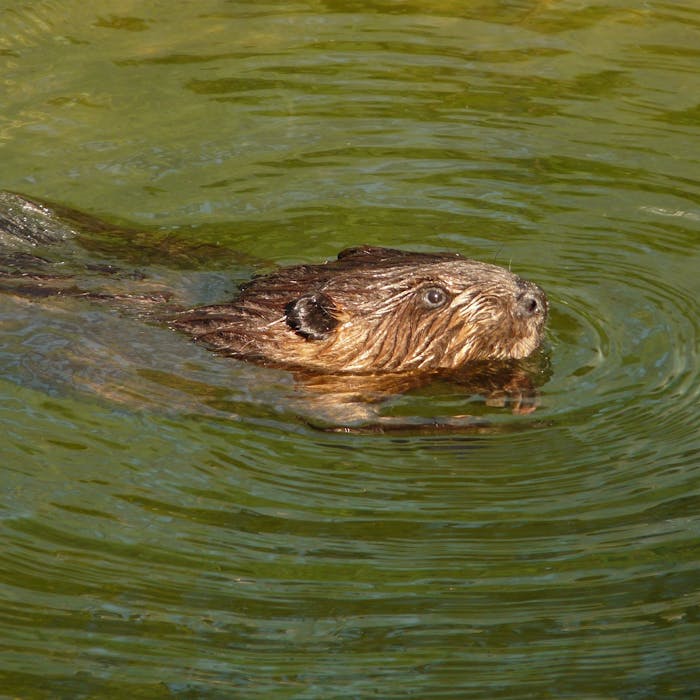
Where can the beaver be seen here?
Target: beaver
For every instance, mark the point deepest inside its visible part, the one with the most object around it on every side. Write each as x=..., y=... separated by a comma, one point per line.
x=373, y=323
x=376, y=310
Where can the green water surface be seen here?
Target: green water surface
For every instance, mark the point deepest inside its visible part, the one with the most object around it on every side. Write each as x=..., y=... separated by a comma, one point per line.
x=153, y=548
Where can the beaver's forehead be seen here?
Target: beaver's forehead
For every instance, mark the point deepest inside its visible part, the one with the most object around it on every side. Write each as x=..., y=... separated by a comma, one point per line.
x=454, y=274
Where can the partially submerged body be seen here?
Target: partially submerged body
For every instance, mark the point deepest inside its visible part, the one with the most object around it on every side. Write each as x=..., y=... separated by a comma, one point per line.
x=375, y=322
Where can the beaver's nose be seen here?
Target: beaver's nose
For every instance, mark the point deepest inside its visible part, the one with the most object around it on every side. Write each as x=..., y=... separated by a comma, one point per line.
x=530, y=300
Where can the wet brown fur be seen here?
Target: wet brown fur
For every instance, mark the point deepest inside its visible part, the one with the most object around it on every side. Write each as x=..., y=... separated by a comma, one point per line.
x=376, y=310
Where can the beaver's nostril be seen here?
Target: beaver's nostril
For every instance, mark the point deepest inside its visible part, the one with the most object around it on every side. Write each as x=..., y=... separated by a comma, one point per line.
x=531, y=305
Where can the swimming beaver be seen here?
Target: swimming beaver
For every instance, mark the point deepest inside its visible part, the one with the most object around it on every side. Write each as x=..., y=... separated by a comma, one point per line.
x=376, y=310
x=374, y=323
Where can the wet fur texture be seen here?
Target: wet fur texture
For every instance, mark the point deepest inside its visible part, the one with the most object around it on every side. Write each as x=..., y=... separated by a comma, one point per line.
x=376, y=310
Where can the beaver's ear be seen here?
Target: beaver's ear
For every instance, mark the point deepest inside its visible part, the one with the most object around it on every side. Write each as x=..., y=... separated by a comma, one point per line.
x=311, y=316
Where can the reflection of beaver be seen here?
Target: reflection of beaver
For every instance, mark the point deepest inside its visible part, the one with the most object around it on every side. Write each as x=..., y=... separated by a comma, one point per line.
x=377, y=310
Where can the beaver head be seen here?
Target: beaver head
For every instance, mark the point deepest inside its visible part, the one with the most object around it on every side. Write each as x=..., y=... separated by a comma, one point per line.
x=377, y=310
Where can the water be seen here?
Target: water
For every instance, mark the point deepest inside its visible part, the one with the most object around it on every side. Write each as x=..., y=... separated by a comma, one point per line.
x=210, y=543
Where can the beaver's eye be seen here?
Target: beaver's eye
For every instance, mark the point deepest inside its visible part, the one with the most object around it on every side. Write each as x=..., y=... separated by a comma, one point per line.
x=434, y=297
